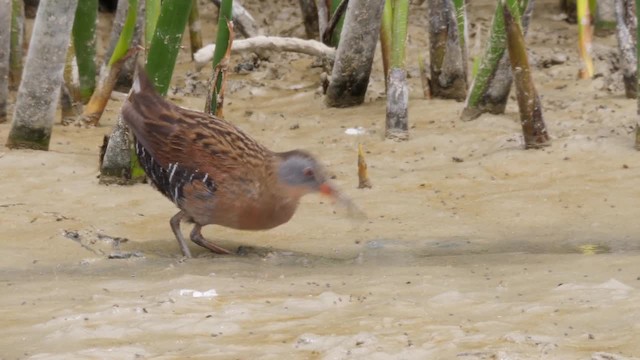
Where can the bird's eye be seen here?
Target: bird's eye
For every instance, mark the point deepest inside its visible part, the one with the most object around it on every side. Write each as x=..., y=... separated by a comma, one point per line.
x=308, y=172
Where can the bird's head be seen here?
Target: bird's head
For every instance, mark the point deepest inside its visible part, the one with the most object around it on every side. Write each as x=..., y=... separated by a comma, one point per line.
x=302, y=174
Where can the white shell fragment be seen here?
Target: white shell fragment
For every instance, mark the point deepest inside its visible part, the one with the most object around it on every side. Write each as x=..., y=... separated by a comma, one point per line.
x=198, y=294
x=356, y=131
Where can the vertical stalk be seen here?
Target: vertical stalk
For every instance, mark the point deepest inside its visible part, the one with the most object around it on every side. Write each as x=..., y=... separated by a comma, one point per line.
x=354, y=57
x=152, y=12
x=5, y=50
x=125, y=75
x=492, y=83
x=39, y=90
x=109, y=74
x=122, y=46
x=243, y=21
x=385, y=38
x=397, y=119
x=399, y=33
x=637, y=144
x=461, y=20
x=70, y=101
x=625, y=33
x=166, y=42
x=335, y=38
x=72, y=86
x=604, y=17
x=17, y=38
x=323, y=16
x=310, y=17
x=84, y=42
x=534, y=129
x=447, y=56
x=195, y=35
x=222, y=41
x=585, y=32
x=492, y=55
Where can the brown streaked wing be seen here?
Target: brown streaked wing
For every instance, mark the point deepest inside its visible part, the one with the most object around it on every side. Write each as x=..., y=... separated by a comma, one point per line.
x=206, y=143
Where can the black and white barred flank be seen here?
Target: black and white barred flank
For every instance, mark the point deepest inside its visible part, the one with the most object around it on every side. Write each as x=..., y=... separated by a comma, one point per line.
x=170, y=181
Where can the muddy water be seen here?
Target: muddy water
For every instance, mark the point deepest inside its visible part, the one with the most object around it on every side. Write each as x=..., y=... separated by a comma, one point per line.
x=509, y=254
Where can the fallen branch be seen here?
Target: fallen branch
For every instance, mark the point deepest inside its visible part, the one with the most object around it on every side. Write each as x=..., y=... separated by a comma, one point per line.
x=268, y=43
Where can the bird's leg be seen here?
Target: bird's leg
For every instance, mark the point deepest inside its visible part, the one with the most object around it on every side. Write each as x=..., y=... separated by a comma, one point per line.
x=175, y=226
x=197, y=238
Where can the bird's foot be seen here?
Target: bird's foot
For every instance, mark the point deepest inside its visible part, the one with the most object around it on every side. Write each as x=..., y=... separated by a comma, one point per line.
x=197, y=238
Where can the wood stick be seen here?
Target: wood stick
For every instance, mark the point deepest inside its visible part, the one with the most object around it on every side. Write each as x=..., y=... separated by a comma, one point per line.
x=268, y=43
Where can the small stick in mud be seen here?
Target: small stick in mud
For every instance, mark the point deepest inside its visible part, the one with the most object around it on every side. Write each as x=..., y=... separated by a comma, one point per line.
x=363, y=176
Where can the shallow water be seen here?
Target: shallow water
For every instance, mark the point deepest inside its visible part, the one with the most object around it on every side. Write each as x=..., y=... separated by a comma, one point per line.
x=510, y=254
x=377, y=305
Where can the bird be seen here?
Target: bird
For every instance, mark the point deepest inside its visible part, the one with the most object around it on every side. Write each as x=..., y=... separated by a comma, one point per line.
x=215, y=173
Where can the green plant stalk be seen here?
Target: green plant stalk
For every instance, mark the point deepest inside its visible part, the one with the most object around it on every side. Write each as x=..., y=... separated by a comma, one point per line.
x=195, y=35
x=584, y=38
x=84, y=42
x=460, y=20
x=335, y=38
x=602, y=25
x=15, y=56
x=533, y=127
x=127, y=33
x=137, y=172
x=593, y=7
x=167, y=25
x=100, y=96
x=166, y=42
x=385, y=38
x=637, y=145
x=475, y=66
x=152, y=12
x=222, y=41
x=399, y=33
x=492, y=55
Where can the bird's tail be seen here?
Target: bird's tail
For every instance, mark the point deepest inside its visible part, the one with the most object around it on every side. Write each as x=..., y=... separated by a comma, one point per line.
x=141, y=82
x=143, y=110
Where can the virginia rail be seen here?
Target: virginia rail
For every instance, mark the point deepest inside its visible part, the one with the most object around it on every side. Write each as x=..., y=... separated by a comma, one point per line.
x=213, y=171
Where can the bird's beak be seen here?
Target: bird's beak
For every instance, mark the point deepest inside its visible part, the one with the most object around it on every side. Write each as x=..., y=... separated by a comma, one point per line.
x=327, y=189
x=342, y=200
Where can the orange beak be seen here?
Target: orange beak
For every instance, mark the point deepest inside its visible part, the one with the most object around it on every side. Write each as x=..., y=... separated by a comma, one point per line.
x=326, y=189
x=340, y=199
